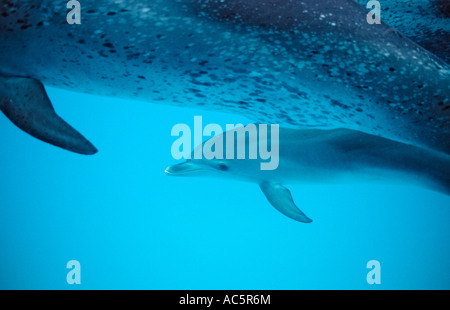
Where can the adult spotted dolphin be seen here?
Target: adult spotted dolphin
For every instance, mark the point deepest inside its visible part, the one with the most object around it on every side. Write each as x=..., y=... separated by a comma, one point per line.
x=299, y=63
x=325, y=156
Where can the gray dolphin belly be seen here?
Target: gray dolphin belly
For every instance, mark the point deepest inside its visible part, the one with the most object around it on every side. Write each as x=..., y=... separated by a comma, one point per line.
x=297, y=63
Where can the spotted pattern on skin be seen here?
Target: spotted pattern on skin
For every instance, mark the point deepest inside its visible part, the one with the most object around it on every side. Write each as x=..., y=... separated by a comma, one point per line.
x=426, y=22
x=297, y=63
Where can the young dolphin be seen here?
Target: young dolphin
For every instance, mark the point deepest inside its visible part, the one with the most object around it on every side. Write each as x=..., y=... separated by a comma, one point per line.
x=326, y=156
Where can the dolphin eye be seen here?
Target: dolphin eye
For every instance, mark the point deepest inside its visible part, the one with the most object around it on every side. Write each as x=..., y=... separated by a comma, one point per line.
x=222, y=167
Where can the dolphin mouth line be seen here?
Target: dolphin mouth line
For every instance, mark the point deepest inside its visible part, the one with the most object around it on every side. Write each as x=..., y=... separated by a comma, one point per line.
x=182, y=173
x=176, y=171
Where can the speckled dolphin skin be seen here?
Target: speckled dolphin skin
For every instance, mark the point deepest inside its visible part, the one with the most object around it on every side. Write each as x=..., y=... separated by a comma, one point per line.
x=299, y=63
x=426, y=22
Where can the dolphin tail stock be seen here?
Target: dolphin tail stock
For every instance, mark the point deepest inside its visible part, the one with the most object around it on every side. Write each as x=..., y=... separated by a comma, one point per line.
x=25, y=102
x=280, y=197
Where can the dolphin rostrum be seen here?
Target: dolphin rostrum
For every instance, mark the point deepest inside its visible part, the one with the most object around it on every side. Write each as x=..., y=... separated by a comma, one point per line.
x=325, y=156
x=298, y=63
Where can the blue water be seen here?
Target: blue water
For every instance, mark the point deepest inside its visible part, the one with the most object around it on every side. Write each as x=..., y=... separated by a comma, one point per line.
x=132, y=227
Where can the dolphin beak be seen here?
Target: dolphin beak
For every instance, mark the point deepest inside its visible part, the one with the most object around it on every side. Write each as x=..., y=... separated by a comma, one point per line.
x=182, y=169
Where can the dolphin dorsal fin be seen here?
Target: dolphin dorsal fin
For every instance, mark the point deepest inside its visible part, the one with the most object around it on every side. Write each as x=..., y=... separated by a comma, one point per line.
x=280, y=197
x=25, y=102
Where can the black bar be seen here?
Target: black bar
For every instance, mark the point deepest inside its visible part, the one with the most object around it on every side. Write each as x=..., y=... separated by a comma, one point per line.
x=213, y=299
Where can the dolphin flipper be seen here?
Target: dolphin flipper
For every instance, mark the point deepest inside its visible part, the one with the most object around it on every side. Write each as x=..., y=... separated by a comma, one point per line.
x=280, y=197
x=25, y=102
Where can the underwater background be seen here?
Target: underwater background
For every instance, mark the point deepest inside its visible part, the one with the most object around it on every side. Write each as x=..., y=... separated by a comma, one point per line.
x=132, y=227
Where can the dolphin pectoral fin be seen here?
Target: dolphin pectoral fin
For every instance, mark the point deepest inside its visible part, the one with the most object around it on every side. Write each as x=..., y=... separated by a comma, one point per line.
x=25, y=102
x=280, y=197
